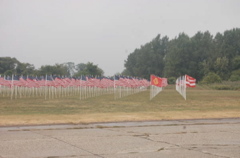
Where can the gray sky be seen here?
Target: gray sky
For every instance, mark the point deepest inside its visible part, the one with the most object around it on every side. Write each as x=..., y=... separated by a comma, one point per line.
x=105, y=32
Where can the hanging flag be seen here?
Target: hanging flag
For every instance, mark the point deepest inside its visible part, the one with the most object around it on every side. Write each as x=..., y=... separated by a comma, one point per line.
x=181, y=86
x=156, y=81
x=164, y=82
x=190, y=81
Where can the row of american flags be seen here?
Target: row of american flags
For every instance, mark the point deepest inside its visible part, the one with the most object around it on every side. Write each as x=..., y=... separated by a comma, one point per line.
x=50, y=86
x=183, y=82
x=83, y=81
x=157, y=85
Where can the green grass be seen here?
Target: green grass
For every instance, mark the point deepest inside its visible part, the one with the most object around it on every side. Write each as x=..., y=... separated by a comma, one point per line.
x=225, y=85
x=168, y=104
x=198, y=99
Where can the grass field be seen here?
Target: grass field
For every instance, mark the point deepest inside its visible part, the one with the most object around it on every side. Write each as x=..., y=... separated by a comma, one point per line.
x=168, y=104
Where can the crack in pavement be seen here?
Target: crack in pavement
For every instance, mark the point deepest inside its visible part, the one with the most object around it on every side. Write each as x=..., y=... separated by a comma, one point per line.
x=67, y=143
x=158, y=141
x=189, y=148
x=146, y=137
x=181, y=123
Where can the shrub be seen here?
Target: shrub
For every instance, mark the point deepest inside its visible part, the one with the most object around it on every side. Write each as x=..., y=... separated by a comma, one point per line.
x=171, y=80
x=222, y=87
x=235, y=76
x=211, y=78
x=225, y=85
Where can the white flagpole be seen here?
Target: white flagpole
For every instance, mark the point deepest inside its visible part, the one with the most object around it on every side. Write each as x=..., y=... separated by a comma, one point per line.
x=46, y=87
x=185, y=88
x=12, y=88
x=80, y=88
x=114, y=88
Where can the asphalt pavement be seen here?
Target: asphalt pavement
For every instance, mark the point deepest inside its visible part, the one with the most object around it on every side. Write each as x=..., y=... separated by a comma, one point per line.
x=209, y=138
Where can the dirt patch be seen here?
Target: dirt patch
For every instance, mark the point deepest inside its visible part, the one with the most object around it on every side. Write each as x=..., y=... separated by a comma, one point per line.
x=111, y=117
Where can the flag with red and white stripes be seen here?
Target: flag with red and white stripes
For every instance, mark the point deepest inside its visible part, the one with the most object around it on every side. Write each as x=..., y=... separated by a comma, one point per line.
x=190, y=81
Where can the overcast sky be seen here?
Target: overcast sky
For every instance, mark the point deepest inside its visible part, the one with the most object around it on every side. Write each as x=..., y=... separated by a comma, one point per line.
x=105, y=32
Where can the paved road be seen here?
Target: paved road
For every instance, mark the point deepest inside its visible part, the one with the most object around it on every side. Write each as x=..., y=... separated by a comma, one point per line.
x=181, y=138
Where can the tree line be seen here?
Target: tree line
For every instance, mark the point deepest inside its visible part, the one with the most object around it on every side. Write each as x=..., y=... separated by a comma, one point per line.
x=203, y=56
x=11, y=66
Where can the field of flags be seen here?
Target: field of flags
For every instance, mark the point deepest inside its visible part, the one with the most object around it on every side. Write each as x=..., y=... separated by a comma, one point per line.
x=50, y=87
x=157, y=85
x=183, y=82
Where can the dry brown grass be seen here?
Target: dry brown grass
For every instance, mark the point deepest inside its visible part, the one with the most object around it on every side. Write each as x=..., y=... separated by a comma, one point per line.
x=167, y=105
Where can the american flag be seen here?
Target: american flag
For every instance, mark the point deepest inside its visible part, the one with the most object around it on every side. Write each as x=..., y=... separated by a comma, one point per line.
x=190, y=81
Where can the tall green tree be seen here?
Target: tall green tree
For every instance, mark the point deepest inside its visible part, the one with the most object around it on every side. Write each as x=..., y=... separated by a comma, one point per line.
x=88, y=69
x=25, y=69
x=57, y=69
x=149, y=59
x=71, y=68
x=202, y=49
x=8, y=65
x=221, y=66
x=196, y=56
x=179, y=57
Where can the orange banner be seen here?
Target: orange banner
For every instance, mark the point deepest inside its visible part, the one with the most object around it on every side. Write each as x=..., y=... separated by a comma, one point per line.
x=156, y=81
